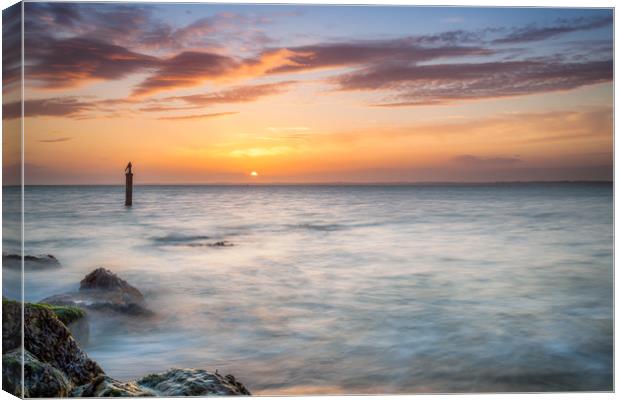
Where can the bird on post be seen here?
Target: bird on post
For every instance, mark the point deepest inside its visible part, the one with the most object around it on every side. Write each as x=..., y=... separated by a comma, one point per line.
x=128, y=168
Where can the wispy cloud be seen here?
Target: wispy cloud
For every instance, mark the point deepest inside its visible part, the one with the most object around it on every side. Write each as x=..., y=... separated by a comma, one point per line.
x=52, y=107
x=469, y=159
x=197, y=116
x=238, y=94
x=71, y=45
x=55, y=140
x=444, y=83
x=535, y=32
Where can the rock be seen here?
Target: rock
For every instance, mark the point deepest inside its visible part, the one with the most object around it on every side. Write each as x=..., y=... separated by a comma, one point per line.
x=54, y=363
x=74, y=319
x=221, y=243
x=41, y=379
x=192, y=382
x=11, y=325
x=104, y=290
x=104, y=386
x=104, y=279
x=12, y=372
x=55, y=366
x=31, y=263
x=49, y=340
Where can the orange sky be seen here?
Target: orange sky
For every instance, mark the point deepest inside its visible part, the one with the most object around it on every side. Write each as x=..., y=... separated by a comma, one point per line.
x=388, y=106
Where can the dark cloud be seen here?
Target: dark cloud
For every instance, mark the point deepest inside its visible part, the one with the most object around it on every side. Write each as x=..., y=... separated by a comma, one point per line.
x=69, y=62
x=53, y=107
x=138, y=26
x=184, y=70
x=534, y=32
x=11, y=45
x=70, y=44
x=198, y=116
x=55, y=140
x=469, y=159
x=355, y=53
x=112, y=23
x=441, y=83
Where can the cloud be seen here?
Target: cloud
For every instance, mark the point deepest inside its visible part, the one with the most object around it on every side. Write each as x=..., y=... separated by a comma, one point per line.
x=198, y=116
x=443, y=83
x=165, y=108
x=193, y=68
x=72, y=44
x=469, y=159
x=186, y=69
x=239, y=94
x=366, y=52
x=71, y=62
x=55, y=140
x=52, y=107
x=534, y=32
x=11, y=45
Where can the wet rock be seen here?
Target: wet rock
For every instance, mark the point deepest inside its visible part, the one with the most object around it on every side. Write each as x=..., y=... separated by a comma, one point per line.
x=104, y=386
x=49, y=340
x=41, y=379
x=73, y=318
x=103, y=290
x=192, y=382
x=221, y=243
x=11, y=324
x=55, y=366
x=54, y=363
x=31, y=263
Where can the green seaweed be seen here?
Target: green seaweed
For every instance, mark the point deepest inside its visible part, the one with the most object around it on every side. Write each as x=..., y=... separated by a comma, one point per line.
x=66, y=314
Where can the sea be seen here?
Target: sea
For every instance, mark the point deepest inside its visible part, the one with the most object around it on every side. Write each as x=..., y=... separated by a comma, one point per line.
x=332, y=289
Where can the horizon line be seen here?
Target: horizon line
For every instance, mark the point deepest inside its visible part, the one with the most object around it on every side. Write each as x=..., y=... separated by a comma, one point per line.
x=344, y=183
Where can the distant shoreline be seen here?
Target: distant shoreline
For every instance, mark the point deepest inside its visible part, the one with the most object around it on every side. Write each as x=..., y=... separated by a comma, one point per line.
x=267, y=184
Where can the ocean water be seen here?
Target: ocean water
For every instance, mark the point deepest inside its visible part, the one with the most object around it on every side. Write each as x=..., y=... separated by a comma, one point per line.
x=344, y=289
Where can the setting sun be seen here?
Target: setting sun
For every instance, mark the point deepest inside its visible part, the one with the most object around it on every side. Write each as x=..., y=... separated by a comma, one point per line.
x=254, y=173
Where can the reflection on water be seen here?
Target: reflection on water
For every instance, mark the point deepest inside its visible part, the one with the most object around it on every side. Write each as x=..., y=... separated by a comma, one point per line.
x=389, y=289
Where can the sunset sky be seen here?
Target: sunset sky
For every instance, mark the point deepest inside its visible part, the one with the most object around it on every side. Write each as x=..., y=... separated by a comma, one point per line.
x=210, y=93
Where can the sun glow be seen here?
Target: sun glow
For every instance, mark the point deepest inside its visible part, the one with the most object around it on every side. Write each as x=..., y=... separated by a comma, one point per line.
x=254, y=173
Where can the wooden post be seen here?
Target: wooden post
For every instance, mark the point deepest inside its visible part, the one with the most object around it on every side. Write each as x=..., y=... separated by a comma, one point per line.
x=128, y=188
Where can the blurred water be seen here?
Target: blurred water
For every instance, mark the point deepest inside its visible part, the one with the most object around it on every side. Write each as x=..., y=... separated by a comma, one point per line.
x=354, y=289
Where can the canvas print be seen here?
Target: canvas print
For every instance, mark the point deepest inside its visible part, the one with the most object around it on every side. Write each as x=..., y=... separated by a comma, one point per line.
x=253, y=199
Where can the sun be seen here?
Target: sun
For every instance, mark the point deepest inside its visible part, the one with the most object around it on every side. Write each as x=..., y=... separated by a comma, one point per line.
x=254, y=173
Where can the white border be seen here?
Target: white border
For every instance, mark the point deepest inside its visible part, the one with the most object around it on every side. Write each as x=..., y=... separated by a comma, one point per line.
x=466, y=3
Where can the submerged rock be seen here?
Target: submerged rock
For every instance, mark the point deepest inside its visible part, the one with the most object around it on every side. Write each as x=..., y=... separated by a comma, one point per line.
x=31, y=263
x=104, y=290
x=221, y=243
x=192, y=382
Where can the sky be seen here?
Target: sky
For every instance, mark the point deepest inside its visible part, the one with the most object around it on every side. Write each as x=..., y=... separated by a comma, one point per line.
x=206, y=93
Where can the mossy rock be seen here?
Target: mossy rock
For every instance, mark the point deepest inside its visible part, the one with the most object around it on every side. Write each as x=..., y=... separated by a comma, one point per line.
x=41, y=379
x=66, y=314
